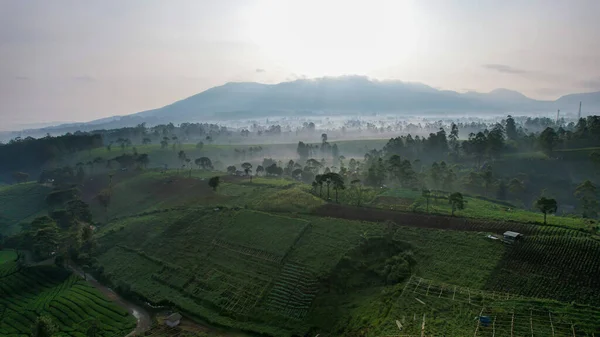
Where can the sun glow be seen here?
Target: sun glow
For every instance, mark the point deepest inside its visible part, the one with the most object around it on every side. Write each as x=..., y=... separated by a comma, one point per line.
x=320, y=38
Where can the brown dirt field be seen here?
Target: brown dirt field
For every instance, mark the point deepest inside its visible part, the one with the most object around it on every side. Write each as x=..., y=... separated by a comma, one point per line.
x=421, y=220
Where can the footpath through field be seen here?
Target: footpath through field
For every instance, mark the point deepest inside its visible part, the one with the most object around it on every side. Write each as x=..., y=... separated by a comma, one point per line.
x=144, y=322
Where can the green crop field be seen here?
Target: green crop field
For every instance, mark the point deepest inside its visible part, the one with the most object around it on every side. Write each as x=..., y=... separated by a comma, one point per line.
x=7, y=256
x=73, y=305
x=20, y=202
x=474, y=208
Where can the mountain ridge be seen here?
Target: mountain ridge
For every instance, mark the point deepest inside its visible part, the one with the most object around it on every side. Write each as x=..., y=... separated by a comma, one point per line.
x=338, y=95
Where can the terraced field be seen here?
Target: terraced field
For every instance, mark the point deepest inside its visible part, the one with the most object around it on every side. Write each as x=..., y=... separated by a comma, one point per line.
x=73, y=305
x=434, y=309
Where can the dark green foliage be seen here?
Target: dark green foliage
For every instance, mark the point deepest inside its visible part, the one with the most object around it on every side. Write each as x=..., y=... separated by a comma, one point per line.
x=214, y=182
x=375, y=262
x=548, y=140
x=30, y=154
x=456, y=201
x=546, y=205
x=44, y=327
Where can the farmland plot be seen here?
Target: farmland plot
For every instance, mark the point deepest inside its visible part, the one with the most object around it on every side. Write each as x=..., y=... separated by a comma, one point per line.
x=563, y=267
x=436, y=309
x=71, y=303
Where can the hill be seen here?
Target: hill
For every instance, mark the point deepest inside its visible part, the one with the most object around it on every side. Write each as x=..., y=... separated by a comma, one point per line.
x=20, y=203
x=220, y=258
x=72, y=304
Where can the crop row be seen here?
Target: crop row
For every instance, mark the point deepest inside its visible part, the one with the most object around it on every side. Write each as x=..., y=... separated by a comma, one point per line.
x=558, y=267
x=69, y=301
x=293, y=292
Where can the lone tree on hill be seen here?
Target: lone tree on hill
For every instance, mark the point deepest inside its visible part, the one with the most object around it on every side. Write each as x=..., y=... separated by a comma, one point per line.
x=214, y=182
x=546, y=205
x=456, y=200
x=247, y=170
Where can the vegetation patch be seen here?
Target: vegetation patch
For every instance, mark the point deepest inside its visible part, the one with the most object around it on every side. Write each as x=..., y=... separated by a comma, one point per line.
x=376, y=261
x=68, y=301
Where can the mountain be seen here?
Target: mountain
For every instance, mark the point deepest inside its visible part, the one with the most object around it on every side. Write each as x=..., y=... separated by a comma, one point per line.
x=353, y=94
x=336, y=95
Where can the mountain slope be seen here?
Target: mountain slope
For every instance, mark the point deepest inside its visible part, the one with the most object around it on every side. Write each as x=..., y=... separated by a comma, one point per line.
x=336, y=95
x=350, y=94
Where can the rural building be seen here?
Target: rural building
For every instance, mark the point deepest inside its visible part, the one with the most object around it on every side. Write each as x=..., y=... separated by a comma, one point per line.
x=173, y=320
x=510, y=236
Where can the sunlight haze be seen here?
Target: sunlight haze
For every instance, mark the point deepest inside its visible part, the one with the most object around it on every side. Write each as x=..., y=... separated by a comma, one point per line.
x=83, y=60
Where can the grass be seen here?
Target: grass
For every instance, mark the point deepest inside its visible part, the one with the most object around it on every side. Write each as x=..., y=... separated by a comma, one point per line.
x=7, y=256
x=19, y=203
x=273, y=234
x=474, y=208
x=70, y=302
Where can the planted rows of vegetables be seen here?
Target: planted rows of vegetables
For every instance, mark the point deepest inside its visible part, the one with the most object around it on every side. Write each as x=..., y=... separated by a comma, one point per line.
x=293, y=292
x=558, y=267
x=68, y=300
x=449, y=310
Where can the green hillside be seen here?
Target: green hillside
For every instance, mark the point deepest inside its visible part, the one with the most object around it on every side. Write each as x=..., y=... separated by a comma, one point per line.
x=281, y=276
x=19, y=203
x=72, y=304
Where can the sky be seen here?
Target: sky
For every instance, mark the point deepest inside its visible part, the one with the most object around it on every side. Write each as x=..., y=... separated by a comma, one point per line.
x=72, y=60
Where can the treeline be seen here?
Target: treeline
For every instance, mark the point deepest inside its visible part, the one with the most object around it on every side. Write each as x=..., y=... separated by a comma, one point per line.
x=30, y=153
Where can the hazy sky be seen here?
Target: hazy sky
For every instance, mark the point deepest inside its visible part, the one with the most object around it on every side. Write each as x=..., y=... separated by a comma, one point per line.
x=73, y=60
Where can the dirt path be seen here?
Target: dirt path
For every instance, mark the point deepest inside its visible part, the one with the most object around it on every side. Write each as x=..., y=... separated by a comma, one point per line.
x=144, y=322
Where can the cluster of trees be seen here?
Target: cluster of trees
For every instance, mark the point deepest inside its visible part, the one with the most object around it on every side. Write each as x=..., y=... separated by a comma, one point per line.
x=330, y=179
x=66, y=233
x=29, y=154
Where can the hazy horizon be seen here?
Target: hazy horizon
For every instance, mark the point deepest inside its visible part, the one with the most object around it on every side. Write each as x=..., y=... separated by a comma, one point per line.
x=69, y=61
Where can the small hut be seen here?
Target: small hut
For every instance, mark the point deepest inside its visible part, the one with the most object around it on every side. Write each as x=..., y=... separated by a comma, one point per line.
x=511, y=237
x=173, y=320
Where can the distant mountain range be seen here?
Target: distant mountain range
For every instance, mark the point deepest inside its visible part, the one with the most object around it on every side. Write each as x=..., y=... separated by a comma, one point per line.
x=338, y=95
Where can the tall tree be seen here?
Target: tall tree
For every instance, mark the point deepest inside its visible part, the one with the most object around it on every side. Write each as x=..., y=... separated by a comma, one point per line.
x=214, y=182
x=587, y=194
x=511, y=128
x=548, y=140
x=456, y=201
x=546, y=205
x=248, y=169
x=338, y=183
x=260, y=169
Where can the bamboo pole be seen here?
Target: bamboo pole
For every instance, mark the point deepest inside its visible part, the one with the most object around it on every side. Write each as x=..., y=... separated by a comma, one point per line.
x=512, y=325
x=531, y=321
x=551, y=325
x=423, y=327
x=494, y=327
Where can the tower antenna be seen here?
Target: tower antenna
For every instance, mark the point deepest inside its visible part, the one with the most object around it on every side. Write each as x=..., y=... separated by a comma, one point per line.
x=557, y=115
x=579, y=115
